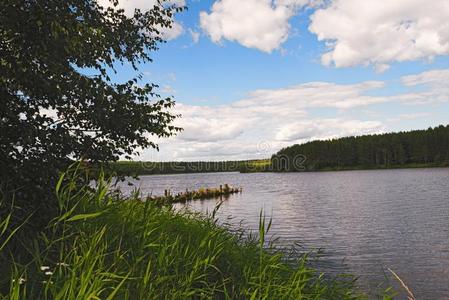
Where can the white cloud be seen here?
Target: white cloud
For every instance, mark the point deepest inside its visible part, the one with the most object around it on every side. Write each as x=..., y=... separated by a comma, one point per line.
x=408, y=117
x=195, y=35
x=327, y=129
x=380, y=32
x=259, y=24
x=168, y=89
x=433, y=77
x=129, y=6
x=317, y=94
x=381, y=68
x=194, y=151
x=172, y=33
x=211, y=124
x=436, y=83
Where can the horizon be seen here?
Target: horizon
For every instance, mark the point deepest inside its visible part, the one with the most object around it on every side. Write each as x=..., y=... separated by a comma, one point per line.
x=245, y=92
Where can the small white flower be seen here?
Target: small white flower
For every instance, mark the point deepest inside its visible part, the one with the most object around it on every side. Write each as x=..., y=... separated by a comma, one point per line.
x=45, y=281
x=43, y=268
x=21, y=280
x=49, y=273
x=62, y=264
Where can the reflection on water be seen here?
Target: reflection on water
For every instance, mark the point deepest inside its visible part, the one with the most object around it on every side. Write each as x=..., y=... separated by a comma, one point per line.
x=366, y=221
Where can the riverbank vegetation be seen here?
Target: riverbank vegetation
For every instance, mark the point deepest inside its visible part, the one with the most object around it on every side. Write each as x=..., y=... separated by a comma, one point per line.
x=101, y=247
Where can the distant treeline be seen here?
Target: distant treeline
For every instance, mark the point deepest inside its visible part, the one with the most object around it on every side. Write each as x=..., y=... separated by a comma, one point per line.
x=417, y=148
x=131, y=168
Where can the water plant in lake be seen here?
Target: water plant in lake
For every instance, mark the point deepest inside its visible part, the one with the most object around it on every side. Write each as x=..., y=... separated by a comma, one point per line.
x=200, y=194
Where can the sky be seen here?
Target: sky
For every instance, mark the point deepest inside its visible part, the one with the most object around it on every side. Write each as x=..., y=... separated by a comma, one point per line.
x=253, y=76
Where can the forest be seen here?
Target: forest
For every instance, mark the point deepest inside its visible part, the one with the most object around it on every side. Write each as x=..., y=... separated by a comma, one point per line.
x=418, y=148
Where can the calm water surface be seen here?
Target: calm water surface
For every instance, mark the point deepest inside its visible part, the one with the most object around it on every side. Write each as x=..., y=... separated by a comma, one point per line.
x=366, y=221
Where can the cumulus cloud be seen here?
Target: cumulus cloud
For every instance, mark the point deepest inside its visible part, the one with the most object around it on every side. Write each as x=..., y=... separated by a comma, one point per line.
x=377, y=32
x=380, y=32
x=173, y=32
x=259, y=24
x=129, y=6
x=211, y=124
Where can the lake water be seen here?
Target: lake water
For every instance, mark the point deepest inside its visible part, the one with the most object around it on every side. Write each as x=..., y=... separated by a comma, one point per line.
x=365, y=221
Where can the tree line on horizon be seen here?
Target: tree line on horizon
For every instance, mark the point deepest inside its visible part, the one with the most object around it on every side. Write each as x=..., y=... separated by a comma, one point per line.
x=428, y=147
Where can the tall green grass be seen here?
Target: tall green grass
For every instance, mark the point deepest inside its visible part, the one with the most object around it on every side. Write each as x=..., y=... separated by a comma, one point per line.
x=103, y=247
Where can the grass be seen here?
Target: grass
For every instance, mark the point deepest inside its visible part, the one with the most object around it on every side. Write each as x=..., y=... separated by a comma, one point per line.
x=101, y=247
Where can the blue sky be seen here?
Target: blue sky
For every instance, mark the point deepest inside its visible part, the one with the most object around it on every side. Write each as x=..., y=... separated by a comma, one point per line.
x=253, y=76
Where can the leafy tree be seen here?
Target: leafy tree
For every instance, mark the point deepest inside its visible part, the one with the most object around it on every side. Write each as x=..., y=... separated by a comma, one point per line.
x=58, y=101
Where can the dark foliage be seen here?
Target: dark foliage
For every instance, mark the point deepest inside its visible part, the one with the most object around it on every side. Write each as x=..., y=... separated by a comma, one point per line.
x=58, y=102
x=420, y=148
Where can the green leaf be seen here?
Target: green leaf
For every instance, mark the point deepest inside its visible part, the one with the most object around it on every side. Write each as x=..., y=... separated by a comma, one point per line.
x=84, y=216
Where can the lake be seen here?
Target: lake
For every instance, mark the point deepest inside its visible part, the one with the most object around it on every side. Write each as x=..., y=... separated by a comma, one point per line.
x=365, y=221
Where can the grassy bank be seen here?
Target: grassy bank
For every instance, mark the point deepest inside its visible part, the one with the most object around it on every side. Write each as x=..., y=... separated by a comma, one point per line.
x=101, y=247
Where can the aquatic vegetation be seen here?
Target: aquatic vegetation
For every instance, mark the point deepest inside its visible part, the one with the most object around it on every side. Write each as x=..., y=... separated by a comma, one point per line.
x=200, y=194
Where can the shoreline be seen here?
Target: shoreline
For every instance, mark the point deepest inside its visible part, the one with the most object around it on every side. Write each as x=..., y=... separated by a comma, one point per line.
x=343, y=169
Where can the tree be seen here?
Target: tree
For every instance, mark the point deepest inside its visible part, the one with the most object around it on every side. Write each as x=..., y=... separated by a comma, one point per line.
x=58, y=101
